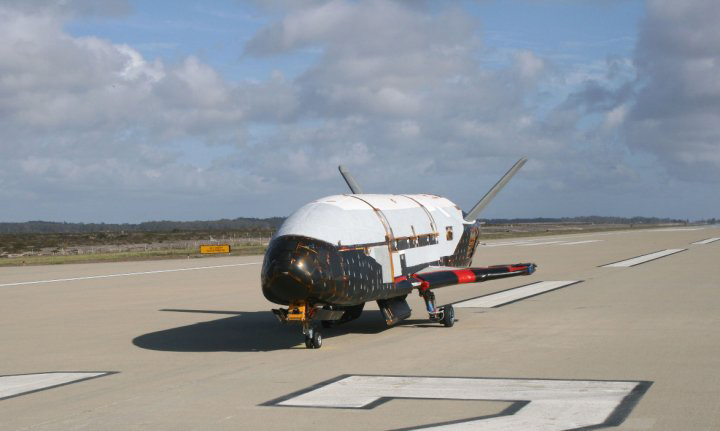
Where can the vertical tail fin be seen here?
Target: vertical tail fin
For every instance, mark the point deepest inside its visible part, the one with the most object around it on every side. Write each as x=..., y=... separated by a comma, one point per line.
x=482, y=203
x=354, y=186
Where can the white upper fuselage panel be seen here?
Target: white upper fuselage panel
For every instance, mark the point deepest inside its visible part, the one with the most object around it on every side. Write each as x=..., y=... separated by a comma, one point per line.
x=369, y=218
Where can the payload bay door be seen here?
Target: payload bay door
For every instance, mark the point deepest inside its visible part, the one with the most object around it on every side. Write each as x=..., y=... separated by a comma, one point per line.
x=385, y=253
x=390, y=253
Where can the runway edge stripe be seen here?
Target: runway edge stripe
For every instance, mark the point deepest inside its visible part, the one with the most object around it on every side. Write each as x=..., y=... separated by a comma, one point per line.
x=127, y=274
x=99, y=374
x=574, y=282
x=706, y=241
x=680, y=250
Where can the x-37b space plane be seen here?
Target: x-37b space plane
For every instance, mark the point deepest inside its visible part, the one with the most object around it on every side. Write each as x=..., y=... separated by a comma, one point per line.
x=335, y=254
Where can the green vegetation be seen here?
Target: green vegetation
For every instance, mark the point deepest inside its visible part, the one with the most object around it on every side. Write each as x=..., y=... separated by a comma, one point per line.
x=55, y=248
x=225, y=225
x=14, y=243
x=490, y=232
x=46, y=243
x=125, y=256
x=589, y=220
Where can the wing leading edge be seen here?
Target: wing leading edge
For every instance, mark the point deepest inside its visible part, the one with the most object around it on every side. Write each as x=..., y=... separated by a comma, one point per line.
x=449, y=277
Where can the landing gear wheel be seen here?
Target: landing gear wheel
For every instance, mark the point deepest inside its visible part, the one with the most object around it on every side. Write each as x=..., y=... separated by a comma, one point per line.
x=448, y=316
x=313, y=339
x=316, y=340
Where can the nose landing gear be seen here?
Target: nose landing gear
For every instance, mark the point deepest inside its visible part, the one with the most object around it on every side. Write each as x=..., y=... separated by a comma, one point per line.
x=307, y=315
x=313, y=337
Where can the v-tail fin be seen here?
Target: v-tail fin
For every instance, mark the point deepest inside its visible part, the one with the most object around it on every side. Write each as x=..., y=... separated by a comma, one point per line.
x=482, y=203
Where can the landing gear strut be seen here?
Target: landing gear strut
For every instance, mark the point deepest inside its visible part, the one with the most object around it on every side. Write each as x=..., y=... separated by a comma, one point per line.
x=444, y=314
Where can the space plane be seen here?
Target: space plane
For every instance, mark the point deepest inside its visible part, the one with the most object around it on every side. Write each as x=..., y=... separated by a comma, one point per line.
x=335, y=254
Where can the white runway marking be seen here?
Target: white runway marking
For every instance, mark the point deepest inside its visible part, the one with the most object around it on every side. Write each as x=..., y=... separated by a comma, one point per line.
x=512, y=295
x=545, y=405
x=707, y=241
x=12, y=386
x=530, y=243
x=581, y=242
x=538, y=243
x=677, y=229
x=161, y=271
x=644, y=258
x=502, y=244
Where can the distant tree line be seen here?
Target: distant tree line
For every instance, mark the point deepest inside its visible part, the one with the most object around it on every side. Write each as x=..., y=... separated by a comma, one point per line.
x=240, y=223
x=587, y=220
x=273, y=223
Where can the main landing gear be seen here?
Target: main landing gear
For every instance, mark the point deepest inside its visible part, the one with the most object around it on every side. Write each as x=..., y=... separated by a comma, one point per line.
x=443, y=314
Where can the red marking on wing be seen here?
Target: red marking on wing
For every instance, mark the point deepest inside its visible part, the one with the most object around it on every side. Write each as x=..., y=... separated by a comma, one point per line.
x=465, y=276
x=435, y=279
x=517, y=268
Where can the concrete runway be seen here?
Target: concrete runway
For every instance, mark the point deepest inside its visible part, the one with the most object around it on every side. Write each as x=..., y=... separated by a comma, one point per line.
x=637, y=346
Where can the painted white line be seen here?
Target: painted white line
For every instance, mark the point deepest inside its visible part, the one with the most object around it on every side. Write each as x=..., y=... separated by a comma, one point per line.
x=644, y=258
x=547, y=405
x=512, y=295
x=93, y=277
x=677, y=229
x=539, y=243
x=12, y=386
x=530, y=243
x=707, y=241
x=581, y=242
x=502, y=244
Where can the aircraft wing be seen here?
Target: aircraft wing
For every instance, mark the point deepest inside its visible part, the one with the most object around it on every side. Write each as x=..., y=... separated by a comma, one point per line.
x=432, y=279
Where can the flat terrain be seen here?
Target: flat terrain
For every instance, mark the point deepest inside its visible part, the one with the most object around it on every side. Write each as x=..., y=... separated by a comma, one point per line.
x=192, y=345
x=22, y=249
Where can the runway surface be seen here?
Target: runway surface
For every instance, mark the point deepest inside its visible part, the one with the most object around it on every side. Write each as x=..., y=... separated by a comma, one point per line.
x=614, y=329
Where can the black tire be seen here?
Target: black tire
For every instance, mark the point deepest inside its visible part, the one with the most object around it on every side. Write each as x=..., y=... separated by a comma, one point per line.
x=448, y=316
x=316, y=340
x=308, y=342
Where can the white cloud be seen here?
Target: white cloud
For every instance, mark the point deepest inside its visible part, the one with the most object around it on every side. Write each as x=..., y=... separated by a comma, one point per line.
x=84, y=115
x=399, y=91
x=70, y=7
x=677, y=113
x=615, y=117
x=529, y=65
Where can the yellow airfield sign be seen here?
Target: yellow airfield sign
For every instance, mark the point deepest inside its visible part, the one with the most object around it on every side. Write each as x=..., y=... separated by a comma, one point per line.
x=215, y=248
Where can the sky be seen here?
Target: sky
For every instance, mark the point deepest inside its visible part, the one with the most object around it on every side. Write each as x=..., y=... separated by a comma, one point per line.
x=129, y=111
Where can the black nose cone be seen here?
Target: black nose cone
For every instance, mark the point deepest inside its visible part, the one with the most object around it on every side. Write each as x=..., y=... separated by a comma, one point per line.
x=295, y=269
x=288, y=279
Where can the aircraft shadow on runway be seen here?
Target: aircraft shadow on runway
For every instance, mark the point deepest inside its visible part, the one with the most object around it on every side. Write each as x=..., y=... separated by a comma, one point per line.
x=251, y=331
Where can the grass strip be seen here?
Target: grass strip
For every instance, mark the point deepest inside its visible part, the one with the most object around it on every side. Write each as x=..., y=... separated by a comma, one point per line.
x=125, y=256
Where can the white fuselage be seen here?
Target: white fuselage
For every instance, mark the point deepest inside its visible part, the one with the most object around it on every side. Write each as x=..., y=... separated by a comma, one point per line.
x=396, y=230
